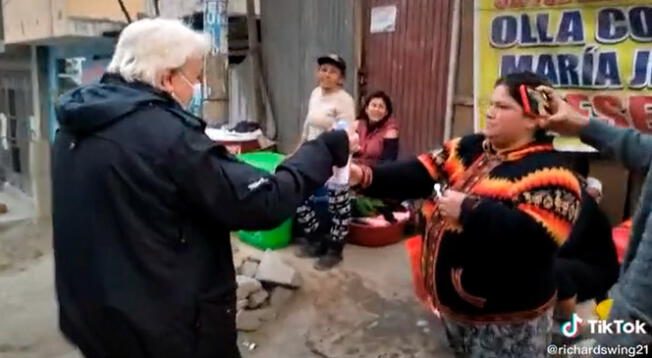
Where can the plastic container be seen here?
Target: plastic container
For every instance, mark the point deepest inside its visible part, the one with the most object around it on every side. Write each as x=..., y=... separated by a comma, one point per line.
x=371, y=236
x=280, y=236
x=266, y=161
x=274, y=239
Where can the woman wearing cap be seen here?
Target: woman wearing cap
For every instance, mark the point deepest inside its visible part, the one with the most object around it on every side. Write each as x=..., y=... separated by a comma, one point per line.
x=329, y=104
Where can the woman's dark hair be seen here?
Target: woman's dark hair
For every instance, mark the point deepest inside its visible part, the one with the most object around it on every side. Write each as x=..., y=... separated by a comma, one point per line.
x=513, y=82
x=378, y=94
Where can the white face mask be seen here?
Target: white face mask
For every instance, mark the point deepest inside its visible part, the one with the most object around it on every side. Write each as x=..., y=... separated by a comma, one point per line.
x=196, y=101
x=194, y=104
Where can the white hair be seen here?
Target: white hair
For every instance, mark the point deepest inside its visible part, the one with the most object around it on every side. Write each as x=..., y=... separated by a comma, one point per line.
x=148, y=47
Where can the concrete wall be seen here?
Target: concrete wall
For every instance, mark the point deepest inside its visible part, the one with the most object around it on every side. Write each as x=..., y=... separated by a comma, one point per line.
x=176, y=8
x=103, y=10
x=27, y=20
x=40, y=21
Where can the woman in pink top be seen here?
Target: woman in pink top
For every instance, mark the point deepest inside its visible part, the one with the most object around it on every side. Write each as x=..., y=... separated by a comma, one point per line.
x=377, y=130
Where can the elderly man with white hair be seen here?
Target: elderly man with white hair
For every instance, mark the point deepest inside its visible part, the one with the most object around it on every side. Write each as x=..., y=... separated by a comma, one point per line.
x=143, y=203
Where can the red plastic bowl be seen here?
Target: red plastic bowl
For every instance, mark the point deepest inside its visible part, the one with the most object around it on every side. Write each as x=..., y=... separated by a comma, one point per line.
x=374, y=236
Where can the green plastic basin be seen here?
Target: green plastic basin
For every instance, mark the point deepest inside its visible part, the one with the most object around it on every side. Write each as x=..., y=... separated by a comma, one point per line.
x=280, y=236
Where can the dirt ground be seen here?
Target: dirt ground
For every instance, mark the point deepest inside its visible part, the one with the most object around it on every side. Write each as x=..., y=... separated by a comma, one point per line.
x=364, y=309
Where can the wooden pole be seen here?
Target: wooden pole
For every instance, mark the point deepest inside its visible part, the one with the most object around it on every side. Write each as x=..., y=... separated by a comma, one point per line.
x=254, y=53
x=216, y=24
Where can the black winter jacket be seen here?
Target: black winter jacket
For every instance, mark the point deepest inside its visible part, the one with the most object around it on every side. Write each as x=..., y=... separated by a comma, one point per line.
x=143, y=203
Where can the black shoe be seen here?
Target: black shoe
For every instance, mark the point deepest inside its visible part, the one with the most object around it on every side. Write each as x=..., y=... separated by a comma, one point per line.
x=329, y=260
x=310, y=250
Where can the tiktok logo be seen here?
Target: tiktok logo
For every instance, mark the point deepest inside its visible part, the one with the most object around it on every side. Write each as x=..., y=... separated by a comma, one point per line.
x=571, y=328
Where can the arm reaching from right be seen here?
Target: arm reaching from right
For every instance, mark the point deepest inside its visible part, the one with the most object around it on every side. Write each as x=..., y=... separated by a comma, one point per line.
x=629, y=146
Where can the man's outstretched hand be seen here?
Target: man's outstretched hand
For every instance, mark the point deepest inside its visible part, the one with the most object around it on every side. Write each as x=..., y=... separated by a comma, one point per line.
x=563, y=118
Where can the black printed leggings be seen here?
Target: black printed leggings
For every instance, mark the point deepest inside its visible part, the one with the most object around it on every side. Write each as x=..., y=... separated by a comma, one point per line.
x=339, y=207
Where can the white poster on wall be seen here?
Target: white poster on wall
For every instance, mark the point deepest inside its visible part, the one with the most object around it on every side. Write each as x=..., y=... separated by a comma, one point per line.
x=383, y=19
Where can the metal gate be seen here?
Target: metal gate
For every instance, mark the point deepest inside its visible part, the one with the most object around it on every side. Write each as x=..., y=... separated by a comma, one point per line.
x=410, y=63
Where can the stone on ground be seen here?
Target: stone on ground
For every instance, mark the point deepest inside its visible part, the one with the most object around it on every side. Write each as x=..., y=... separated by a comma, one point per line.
x=247, y=286
x=249, y=268
x=273, y=270
x=257, y=299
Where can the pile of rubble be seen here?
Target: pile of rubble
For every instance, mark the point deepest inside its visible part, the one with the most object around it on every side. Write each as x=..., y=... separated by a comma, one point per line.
x=264, y=286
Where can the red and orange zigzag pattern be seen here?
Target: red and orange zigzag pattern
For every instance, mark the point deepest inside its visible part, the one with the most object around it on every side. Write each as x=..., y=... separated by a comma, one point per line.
x=558, y=228
x=506, y=189
x=452, y=165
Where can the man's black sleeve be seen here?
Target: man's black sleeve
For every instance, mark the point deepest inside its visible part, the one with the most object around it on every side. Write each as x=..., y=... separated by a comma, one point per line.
x=241, y=197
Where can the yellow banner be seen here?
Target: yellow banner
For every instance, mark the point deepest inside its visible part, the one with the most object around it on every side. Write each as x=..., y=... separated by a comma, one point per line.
x=598, y=53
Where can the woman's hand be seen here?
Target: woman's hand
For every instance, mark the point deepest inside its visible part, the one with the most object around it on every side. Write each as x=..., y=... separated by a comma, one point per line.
x=563, y=119
x=354, y=141
x=450, y=204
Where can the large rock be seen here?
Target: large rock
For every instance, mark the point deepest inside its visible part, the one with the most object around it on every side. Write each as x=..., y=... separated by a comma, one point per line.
x=247, y=286
x=257, y=299
x=249, y=268
x=273, y=270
